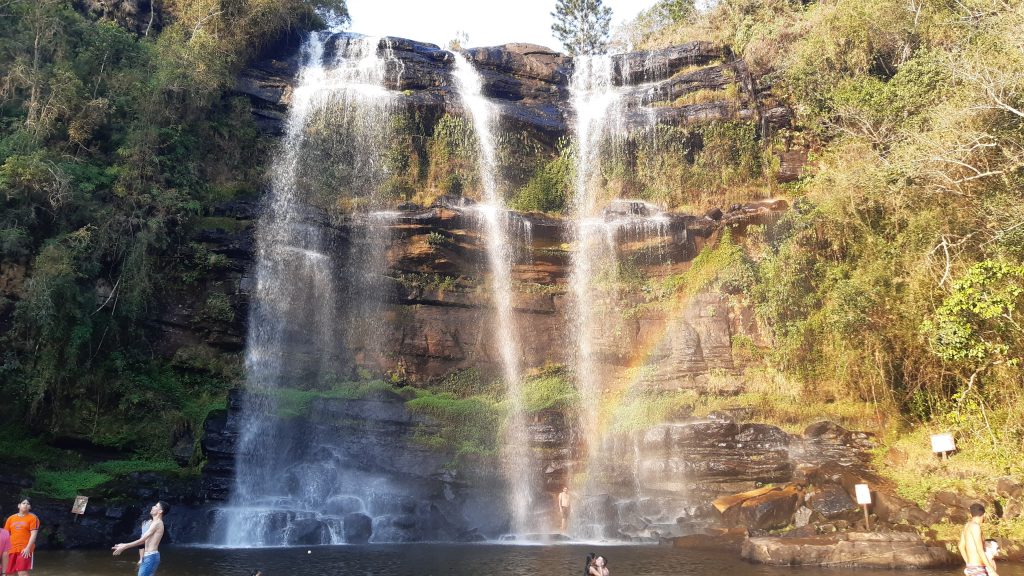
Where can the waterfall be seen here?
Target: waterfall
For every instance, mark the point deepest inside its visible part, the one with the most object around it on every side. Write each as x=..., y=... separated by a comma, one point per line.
x=290, y=488
x=598, y=123
x=497, y=223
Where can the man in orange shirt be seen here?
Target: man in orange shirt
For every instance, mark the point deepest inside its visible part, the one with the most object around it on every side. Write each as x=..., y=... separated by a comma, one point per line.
x=24, y=527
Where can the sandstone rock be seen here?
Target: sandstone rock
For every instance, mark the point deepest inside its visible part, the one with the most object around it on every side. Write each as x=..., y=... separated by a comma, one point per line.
x=826, y=430
x=894, y=509
x=773, y=509
x=1009, y=488
x=1014, y=508
x=802, y=517
x=875, y=550
x=832, y=502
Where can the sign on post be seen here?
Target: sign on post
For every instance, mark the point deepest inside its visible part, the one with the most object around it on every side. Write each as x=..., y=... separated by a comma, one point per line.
x=79, y=506
x=863, y=493
x=943, y=444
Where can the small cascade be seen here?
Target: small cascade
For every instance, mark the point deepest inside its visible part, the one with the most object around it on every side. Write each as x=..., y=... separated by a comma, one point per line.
x=291, y=488
x=499, y=227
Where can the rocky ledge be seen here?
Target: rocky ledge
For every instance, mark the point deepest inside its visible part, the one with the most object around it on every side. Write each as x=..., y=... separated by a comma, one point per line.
x=861, y=549
x=689, y=84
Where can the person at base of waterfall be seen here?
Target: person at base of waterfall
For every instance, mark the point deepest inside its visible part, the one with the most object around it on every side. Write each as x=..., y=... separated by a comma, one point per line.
x=588, y=563
x=972, y=545
x=563, y=506
x=23, y=528
x=150, y=540
x=599, y=567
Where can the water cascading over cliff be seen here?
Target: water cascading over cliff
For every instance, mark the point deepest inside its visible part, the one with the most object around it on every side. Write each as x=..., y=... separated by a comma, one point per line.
x=600, y=224
x=288, y=488
x=498, y=230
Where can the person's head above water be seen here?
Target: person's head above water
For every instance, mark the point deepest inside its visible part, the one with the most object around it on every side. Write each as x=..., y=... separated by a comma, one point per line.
x=991, y=547
x=256, y=573
x=600, y=561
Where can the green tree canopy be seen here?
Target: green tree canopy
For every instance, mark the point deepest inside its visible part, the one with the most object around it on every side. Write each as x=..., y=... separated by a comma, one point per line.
x=582, y=25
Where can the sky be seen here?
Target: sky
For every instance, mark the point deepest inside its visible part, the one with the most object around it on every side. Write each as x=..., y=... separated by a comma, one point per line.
x=487, y=22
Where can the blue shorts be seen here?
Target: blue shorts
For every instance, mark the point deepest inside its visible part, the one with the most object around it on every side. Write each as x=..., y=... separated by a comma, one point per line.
x=150, y=562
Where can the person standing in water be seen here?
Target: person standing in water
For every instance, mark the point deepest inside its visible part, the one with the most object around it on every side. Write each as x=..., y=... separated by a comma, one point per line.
x=23, y=528
x=563, y=506
x=150, y=540
x=599, y=567
x=142, y=530
x=972, y=545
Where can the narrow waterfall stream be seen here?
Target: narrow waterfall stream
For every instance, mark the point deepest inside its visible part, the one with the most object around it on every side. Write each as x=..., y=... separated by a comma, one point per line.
x=598, y=124
x=497, y=223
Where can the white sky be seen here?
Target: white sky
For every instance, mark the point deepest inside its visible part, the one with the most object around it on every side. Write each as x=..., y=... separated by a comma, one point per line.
x=488, y=22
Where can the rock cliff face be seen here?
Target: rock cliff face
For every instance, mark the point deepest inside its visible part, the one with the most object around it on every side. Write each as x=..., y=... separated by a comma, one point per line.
x=434, y=311
x=531, y=86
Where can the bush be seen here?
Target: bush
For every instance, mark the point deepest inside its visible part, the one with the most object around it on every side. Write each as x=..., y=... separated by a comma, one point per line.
x=549, y=188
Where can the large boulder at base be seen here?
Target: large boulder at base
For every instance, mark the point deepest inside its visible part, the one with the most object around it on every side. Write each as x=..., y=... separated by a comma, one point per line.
x=865, y=549
x=891, y=508
x=770, y=510
x=357, y=528
x=832, y=501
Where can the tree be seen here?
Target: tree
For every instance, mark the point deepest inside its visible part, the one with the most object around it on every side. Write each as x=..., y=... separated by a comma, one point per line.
x=582, y=26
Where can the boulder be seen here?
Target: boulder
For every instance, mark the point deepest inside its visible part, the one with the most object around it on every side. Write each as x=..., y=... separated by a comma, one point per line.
x=1009, y=488
x=893, y=509
x=802, y=517
x=357, y=528
x=773, y=509
x=832, y=502
x=865, y=549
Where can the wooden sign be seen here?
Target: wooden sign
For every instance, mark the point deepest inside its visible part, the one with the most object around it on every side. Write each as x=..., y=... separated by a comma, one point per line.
x=79, y=506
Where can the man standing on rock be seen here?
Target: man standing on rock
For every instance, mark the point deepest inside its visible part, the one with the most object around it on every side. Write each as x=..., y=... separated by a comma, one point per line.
x=563, y=506
x=972, y=545
x=150, y=539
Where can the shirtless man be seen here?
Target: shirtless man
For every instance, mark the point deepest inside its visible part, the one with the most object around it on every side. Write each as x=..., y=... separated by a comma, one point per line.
x=972, y=545
x=563, y=506
x=150, y=539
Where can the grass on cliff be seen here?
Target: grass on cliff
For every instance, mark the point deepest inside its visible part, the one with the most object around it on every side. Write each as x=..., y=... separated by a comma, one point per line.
x=65, y=484
x=295, y=402
x=550, y=389
x=767, y=396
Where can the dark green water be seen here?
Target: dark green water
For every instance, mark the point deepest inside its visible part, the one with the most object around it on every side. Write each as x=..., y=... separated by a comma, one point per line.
x=443, y=560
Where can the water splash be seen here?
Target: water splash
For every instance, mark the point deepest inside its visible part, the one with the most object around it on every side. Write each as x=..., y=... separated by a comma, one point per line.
x=497, y=222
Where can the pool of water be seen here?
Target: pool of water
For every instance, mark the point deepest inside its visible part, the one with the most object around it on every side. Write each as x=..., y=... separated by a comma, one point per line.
x=442, y=560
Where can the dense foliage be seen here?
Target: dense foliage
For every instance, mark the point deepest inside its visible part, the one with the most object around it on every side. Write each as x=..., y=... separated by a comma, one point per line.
x=112, y=145
x=897, y=277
